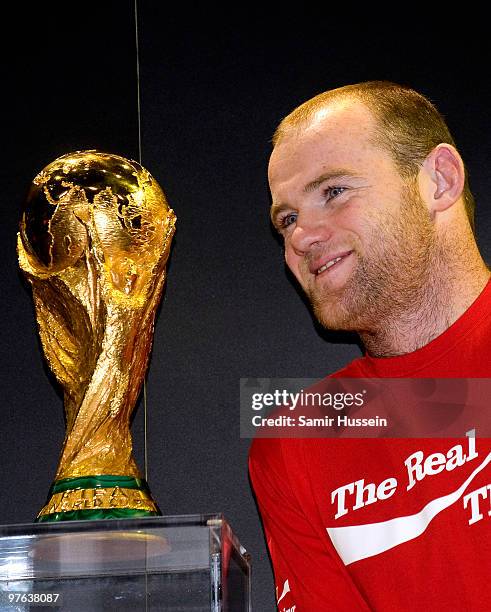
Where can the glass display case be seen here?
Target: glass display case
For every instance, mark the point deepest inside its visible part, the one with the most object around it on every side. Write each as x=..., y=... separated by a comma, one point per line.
x=174, y=563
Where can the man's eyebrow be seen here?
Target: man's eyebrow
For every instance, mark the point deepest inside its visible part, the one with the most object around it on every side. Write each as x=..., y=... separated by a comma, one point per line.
x=337, y=174
x=275, y=211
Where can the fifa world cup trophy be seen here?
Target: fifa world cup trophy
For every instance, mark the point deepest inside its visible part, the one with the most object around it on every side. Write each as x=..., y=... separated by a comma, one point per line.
x=94, y=241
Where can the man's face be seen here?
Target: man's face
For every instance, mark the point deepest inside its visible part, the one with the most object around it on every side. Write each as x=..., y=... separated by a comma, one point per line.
x=357, y=237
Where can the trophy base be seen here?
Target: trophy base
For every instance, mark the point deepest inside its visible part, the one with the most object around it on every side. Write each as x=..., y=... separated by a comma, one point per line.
x=172, y=563
x=98, y=497
x=95, y=515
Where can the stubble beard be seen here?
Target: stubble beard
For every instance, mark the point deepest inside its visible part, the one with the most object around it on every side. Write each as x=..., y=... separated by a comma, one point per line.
x=389, y=278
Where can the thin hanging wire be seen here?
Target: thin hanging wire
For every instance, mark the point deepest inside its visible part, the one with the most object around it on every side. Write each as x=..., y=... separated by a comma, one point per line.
x=138, y=107
x=138, y=104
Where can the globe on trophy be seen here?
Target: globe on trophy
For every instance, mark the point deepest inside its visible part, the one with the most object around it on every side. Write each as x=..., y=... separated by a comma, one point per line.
x=94, y=240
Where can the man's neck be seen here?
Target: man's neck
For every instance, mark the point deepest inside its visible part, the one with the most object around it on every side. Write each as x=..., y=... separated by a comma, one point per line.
x=448, y=294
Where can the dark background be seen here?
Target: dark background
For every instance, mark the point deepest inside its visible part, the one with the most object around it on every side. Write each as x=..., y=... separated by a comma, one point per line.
x=213, y=88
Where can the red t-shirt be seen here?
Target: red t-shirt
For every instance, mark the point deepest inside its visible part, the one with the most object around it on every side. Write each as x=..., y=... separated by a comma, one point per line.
x=385, y=524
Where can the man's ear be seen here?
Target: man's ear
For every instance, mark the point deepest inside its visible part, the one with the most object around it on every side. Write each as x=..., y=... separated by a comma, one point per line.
x=441, y=178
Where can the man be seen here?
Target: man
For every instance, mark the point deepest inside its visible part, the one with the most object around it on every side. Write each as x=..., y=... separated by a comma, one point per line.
x=371, y=197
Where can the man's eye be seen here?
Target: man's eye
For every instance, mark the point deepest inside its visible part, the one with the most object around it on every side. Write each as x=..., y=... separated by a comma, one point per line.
x=288, y=220
x=332, y=192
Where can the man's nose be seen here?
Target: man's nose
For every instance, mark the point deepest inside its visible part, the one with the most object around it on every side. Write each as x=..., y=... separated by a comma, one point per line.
x=310, y=228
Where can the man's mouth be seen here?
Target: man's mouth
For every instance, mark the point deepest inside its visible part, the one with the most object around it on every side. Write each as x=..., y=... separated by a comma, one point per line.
x=331, y=263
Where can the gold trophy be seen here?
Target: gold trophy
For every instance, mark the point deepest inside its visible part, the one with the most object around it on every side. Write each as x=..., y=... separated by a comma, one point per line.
x=94, y=240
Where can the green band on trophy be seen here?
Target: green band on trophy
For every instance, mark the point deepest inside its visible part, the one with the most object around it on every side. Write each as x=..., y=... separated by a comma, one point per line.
x=93, y=482
x=101, y=496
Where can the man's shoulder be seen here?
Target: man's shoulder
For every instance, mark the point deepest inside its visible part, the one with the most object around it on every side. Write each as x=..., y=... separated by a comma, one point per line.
x=275, y=449
x=355, y=369
x=274, y=454
x=268, y=450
